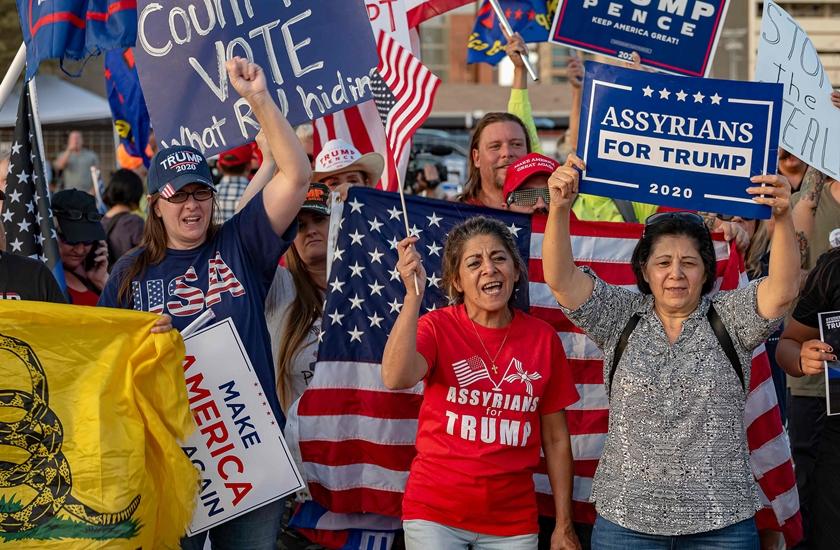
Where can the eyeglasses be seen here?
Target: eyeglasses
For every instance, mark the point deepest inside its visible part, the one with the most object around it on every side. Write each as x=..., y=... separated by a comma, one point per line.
x=78, y=215
x=528, y=197
x=200, y=195
x=729, y=217
x=690, y=217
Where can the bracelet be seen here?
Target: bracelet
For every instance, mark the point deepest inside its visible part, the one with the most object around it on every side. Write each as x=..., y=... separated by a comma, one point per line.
x=802, y=372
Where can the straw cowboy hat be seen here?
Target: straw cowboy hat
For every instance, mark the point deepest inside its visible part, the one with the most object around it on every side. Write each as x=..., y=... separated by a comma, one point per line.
x=338, y=157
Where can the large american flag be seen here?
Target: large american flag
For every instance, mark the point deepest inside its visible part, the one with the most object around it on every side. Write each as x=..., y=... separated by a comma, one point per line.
x=403, y=90
x=27, y=218
x=357, y=438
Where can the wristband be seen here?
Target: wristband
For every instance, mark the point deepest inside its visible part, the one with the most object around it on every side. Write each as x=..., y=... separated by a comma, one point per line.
x=802, y=372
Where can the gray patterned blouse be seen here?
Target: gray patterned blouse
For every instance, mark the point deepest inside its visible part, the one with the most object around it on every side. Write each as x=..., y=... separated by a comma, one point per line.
x=675, y=460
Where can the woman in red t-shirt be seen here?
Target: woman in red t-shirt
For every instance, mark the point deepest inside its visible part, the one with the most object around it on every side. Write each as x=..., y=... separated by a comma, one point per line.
x=496, y=383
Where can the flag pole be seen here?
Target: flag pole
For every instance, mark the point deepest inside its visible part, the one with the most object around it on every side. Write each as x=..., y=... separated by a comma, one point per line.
x=503, y=22
x=11, y=76
x=405, y=220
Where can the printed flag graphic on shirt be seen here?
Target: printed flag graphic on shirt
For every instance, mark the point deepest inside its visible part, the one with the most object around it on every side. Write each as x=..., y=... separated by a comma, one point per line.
x=75, y=29
x=530, y=18
x=89, y=432
x=27, y=218
x=470, y=371
x=423, y=10
x=128, y=106
x=357, y=438
x=404, y=91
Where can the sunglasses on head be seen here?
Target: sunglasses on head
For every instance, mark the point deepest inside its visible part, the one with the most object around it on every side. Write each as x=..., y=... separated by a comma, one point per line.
x=690, y=217
x=528, y=197
x=202, y=194
x=78, y=215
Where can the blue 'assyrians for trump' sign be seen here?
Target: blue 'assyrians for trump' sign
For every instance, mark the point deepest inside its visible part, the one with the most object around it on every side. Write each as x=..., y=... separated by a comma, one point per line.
x=317, y=58
x=689, y=143
x=676, y=36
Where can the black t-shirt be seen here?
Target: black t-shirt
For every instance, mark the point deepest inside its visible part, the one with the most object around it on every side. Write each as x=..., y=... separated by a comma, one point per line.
x=821, y=291
x=23, y=278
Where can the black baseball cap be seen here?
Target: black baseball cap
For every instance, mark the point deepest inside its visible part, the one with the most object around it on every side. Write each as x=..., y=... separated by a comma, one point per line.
x=178, y=166
x=77, y=216
x=317, y=199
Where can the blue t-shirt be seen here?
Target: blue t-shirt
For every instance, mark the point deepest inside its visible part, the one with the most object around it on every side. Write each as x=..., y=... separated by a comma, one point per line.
x=230, y=273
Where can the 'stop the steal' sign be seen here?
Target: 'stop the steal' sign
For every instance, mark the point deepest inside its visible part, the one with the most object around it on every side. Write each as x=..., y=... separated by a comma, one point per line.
x=676, y=36
x=690, y=143
x=810, y=123
x=317, y=57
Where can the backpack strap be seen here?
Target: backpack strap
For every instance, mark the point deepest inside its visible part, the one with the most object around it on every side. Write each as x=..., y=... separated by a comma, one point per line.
x=625, y=208
x=726, y=343
x=622, y=343
x=720, y=331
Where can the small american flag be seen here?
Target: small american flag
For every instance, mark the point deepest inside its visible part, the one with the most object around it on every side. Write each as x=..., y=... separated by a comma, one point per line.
x=470, y=371
x=404, y=91
x=27, y=217
x=167, y=191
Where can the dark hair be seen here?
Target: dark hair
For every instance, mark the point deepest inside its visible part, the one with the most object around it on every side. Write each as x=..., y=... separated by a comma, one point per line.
x=125, y=187
x=823, y=278
x=473, y=184
x=454, y=248
x=671, y=227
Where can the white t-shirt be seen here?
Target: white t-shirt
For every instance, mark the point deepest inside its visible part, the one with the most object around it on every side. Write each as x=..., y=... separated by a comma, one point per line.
x=280, y=297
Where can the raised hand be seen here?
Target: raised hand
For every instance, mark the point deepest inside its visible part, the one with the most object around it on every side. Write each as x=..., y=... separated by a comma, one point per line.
x=516, y=49
x=775, y=191
x=410, y=265
x=563, y=183
x=246, y=78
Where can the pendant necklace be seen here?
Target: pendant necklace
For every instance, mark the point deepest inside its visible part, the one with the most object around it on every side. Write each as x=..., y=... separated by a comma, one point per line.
x=480, y=341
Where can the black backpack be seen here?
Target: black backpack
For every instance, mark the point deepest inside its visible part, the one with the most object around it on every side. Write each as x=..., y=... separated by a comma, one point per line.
x=717, y=327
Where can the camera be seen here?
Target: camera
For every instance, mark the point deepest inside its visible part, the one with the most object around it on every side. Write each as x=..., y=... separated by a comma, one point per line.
x=421, y=155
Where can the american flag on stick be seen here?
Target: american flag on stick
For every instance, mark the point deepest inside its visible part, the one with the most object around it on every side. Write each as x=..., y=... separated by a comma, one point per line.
x=27, y=218
x=404, y=91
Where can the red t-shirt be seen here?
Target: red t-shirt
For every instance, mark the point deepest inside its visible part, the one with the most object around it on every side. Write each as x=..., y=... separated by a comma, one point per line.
x=478, y=435
x=82, y=297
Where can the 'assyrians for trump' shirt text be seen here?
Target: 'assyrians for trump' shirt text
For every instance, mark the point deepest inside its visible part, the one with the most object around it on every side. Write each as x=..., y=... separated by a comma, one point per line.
x=478, y=436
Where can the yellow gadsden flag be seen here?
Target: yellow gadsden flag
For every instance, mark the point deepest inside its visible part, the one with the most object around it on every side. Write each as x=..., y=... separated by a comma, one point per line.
x=92, y=406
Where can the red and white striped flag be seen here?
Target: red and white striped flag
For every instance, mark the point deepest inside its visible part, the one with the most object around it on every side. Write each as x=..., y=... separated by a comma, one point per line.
x=422, y=10
x=357, y=438
x=404, y=91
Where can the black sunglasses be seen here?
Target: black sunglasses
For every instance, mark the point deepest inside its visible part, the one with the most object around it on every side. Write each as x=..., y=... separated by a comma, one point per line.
x=528, y=197
x=200, y=195
x=690, y=217
x=730, y=217
x=77, y=215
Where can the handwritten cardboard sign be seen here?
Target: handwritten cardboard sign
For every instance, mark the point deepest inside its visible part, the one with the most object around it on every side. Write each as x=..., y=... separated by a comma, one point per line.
x=317, y=58
x=810, y=123
x=238, y=447
x=684, y=142
x=678, y=37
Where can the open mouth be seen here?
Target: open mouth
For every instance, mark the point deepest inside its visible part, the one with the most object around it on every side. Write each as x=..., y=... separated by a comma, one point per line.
x=492, y=289
x=191, y=220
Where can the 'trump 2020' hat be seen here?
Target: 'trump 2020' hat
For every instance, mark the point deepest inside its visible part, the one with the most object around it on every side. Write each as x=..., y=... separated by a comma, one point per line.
x=173, y=168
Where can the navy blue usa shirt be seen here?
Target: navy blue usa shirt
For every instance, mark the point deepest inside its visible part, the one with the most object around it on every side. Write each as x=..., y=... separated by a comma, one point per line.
x=230, y=273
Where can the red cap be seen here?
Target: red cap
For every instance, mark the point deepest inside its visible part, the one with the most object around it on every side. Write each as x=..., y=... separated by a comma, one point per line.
x=236, y=157
x=530, y=165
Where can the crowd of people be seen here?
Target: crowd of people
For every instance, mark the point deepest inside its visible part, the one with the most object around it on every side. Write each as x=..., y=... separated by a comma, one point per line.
x=675, y=470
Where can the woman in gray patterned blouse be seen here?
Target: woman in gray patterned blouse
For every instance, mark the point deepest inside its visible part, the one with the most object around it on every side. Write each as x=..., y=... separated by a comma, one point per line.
x=675, y=470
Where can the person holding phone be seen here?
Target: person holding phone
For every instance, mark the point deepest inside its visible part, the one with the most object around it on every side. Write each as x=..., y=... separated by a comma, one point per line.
x=81, y=244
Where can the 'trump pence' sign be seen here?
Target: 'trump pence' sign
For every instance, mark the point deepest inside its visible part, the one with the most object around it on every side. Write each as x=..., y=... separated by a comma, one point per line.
x=810, y=123
x=317, y=57
x=685, y=142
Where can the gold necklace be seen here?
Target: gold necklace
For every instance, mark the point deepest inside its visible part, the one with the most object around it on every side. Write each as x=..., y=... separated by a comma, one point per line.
x=480, y=341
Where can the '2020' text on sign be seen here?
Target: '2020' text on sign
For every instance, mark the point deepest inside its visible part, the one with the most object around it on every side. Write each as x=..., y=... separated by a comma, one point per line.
x=689, y=143
x=317, y=58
